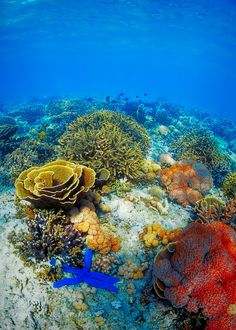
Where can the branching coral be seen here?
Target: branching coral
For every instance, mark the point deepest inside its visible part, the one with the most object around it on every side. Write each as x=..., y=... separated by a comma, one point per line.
x=198, y=272
x=57, y=184
x=29, y=153
x=99, y=238
x=211, y=209
x=202, y=148
x=48, y=235
x=229, y=186
x=106, y=140
x=186, y=182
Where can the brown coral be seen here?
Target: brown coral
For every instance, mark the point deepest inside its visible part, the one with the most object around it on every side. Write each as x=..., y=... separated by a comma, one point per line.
x=186, y=182
x=56, y=184
x=132, y=271
x=86, y=220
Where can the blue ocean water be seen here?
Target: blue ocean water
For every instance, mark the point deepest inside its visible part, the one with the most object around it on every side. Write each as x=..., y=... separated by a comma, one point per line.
x=181, y=50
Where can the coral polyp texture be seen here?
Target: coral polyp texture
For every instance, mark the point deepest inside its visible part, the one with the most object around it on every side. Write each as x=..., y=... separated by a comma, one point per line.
x=186, y=182
x=229, y=186
x=99, y=238
x=106, y=140
x=57, y=184
x=198, y=272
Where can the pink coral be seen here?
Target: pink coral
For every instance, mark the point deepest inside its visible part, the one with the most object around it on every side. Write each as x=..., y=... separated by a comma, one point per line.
x=186, y=182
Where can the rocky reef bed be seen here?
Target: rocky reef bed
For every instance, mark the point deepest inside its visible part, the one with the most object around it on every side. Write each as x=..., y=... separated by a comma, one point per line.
x=145, y=187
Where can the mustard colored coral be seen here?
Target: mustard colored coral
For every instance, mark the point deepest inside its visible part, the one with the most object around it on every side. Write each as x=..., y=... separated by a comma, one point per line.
x=57, y=184
x=154, y=234
x=86, y=221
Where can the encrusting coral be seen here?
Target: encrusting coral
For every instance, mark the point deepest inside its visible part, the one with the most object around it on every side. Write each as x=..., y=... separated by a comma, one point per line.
x=106, y=140
x=155, y=234
x=99, y=238
x=57, y=184
x=186, y=182
x=198, y=272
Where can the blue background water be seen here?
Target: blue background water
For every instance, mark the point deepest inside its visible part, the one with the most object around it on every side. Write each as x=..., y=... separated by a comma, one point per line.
x=184, y=50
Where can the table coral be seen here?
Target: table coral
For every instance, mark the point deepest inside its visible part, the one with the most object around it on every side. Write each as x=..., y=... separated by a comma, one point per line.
x=99, y=238
x=198, y=272
x=186, y=182
x=57, y=184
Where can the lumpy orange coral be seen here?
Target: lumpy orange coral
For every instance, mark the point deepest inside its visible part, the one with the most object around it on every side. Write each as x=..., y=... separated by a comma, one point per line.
x=186, y=182
x=98, y=238
x=199, y=273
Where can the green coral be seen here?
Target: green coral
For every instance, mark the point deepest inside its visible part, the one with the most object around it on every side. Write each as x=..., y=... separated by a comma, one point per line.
x=29, y=153
x=229, y=186
x=108, y=140
x=202, y=148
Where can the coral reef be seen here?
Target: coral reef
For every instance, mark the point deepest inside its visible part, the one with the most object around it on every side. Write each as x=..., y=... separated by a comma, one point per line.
x=48, y=234
x=202, y=148
x=198, y=271
x=130, y=270
x=29, y=153
x=229, y=186
x=106, y=139
x=186, y=181
x=95, y=279
x=211, y=209
x=99, y=238
x=57, y=184
x=155, y=234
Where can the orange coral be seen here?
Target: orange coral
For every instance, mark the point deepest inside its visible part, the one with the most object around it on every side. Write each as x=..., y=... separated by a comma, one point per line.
x=98, y=238
x=186, y=182
x=131, y=271
x=154, y=234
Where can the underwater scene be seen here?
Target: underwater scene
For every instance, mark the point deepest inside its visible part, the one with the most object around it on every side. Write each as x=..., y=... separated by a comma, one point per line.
x=118, y=165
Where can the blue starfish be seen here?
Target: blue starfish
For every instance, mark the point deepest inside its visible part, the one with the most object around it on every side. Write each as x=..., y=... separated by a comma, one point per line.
x=96, y=279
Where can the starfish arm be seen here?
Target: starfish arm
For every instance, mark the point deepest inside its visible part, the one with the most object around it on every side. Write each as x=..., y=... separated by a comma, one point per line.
x=100, y=284
x=67, y=281
x=68, y=269
x=103, y=277
x=88, y=259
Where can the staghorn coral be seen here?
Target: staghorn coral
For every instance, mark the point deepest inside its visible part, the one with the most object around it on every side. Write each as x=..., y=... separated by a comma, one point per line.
x=57, y=184
x=186, y=181
x=211, y=209
x=198, y=272
x=29, y=153
x=48, y=234
x=106, y=140
x=229, y=185
x=201, y=147
x=99, y=238
x=154, y=234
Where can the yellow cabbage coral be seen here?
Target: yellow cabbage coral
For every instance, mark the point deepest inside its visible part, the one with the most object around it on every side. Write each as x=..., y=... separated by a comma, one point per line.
x=57, y=184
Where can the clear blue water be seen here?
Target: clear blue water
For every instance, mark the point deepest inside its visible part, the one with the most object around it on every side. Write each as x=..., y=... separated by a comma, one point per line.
x=182, y=50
